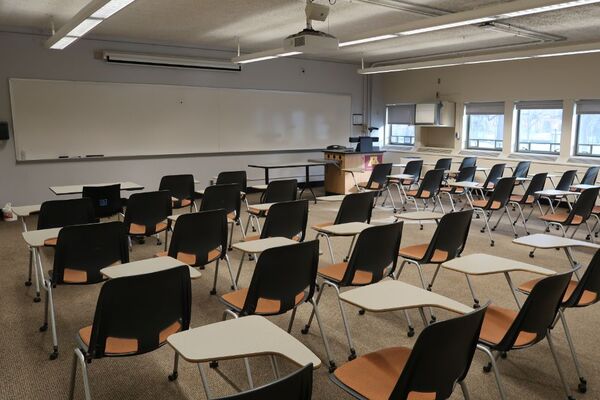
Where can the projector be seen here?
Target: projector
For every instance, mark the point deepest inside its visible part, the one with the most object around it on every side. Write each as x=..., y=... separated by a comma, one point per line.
x=310, y=41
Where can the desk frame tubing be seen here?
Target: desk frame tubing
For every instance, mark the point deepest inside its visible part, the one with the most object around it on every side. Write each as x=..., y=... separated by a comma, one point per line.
x=49, y=306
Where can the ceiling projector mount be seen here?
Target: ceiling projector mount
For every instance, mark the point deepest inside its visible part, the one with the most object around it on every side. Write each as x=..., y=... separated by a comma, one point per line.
x=309, y=40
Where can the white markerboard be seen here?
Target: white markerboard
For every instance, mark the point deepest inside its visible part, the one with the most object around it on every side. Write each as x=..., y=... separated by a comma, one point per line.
x=64, y=118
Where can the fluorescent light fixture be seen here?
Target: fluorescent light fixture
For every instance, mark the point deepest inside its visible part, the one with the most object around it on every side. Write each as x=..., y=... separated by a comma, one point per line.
x=110, y=8
x=568, y=53
x=289, y=54
x=84, y=27
x=367, y=40
x=251, y=60
x=553, y=7
x=84, y=21
x=496, y=60
x=63, y=42
x=264, y=55
x=448, y=26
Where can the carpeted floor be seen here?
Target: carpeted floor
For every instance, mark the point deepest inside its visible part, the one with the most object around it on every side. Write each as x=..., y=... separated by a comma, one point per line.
x=26, y=372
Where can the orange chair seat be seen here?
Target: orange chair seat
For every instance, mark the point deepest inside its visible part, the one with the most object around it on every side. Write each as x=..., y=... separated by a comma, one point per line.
x=561, y=218
x=587, y=297
x=136, y=229
x=375, y=375
x=237, y=299
x=190, y=259
x=496, y=205
x=51, y=242
x=182, y=203
x=417, y=252
x=413, y=193
x=449, y=189
x=497, y=322
x=335, y=273
x=518, y=198
x=121, y=346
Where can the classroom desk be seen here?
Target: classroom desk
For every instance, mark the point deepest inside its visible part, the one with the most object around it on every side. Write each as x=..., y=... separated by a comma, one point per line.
x=549, y=176
x=146, y=266
x=22, y=212
x=420, y=216
x=306, y=165
x=332, y=199
x=78, y=189
x=558, y=193
x=347, y=229
x=581, y=186
x=261, y=206
x=401, y=176
x=35, y=239
x=238, y=338
x=546, y=241
x=468, y=187
x=486, y=264
x=258, y=246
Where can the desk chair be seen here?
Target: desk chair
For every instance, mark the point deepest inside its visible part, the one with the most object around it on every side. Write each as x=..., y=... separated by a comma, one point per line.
x=529, y=198
x=61, y=213
x=443, y=163
x=277, y=191
x=373, y=258
x=226, y=197
x=355, y=207
x=295, y=386
x=505, y=330
x=378, y=182
x=498, y=200
x=429, y=189
x=81, y=252
x=582, y=293
x=565, y=183
x=465, y=163
x=134, y=315
x=402, y=373
x=521, y=170
x=200, y=239
x=284, y=278
x=412, y=168
x=182, y=189
x=106, y=199
x=492, y=179
x=146, y=214
x=590, y=176
x=239, y=177
x=448, y=241
x=465, y=174
x=578, y=215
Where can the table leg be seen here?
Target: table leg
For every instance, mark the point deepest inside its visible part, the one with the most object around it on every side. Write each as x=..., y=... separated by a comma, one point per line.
x=237, y=276
x=36, y=271
x=572, y=261
x=204, y=381
x=266, y=176
x=512, y=289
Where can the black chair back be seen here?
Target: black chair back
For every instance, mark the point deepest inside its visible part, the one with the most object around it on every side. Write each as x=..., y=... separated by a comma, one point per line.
x=376, y=250
x=431, y=183
x=590, y=282
x=583, y=206
x=466, y=174
x=223, y=196
x=277, y=191
x=286, y=219
x=142, y=307
x=196, y=235
x=522, y=169
x=444, y=164
x=538, y=312
x=181, y=187
x=468, y=162
x=60, y=213
x=356, y=207
x=537, y=184
x=450, y=237
x=283, y=274
x=106, y=199
x=148, y=209
x=83, y=250
x=296, y=386
x=414, y=168
x=238, y=177
x=379, y=176
x=590, y=176
x=450, y=343
x=566, y=180
x=501, y=194
x=494, y=176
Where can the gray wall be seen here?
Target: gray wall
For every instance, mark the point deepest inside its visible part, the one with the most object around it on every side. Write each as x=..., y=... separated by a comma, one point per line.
x=23, y=56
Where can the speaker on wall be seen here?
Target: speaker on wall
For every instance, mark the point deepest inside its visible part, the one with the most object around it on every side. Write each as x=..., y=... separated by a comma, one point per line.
x=3, y=130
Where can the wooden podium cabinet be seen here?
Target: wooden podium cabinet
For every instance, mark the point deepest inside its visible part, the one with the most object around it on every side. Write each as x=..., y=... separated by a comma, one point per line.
x=339, y=182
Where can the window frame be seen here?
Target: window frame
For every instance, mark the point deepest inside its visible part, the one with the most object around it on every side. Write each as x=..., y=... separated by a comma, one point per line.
x=576, y=152
x=518, y=133
x=468, y=134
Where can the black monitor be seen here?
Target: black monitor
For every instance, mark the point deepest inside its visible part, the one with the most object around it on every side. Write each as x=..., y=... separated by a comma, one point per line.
x=365, y=143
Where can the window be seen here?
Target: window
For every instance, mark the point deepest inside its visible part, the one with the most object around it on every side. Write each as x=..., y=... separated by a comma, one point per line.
x=400, y=124
x=485, y=125
x=587, y=142
x=539, y=125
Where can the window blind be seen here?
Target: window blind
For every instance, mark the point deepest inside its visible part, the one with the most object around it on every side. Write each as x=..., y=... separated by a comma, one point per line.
x=489, y=108
x=588, y=107
x=401, y=114
x=540, y=105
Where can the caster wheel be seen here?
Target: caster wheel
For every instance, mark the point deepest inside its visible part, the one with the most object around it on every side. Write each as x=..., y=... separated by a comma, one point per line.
x=213, y=364
x=54, y=355
x=476, y=305
x=232, y=288
x=44, y=328
x=37, y=299
x=516, y=236
x=492, y=244
x=173, y=376
x=481, y=231
x=504, y=355
x=531, y=255
x=582, y=387
x=487, y=368
x=587, y=237
x=229, y=248
x=361, y=312
x=411, y=332
x=304, y=330
x=213, y=292
x=352, y=355
x=332, y=366
x=493, y=229
x=28, y=283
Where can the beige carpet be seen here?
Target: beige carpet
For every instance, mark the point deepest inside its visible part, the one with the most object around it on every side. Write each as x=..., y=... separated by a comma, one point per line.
x=26, y=372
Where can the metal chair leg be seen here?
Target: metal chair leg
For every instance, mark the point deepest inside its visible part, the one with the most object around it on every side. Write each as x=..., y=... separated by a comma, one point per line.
x=465, y=390
x=78, y=357
x=411, y=329
x=558, y=366
x=312, y=314
x=214, y=288
x=475, y=300
x=582, y=386
x=292, y=320
x=352, y=355
x=495, y=369
x=233, y=284
x=332, y=365
x=173, y=376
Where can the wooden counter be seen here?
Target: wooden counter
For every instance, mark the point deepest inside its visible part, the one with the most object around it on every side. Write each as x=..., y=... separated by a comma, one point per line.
x=340, y=182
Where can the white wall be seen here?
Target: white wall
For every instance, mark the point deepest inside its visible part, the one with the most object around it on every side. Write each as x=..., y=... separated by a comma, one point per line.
x=23, y=56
